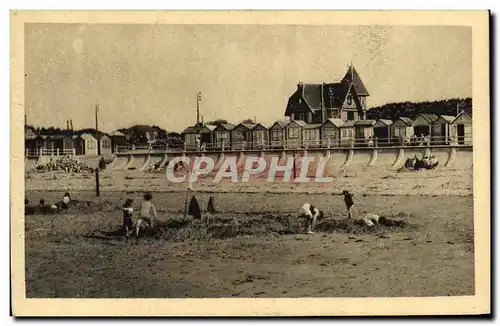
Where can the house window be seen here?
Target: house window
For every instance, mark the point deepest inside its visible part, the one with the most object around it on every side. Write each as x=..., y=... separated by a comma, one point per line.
x=301, y=116
x=349, y=99
x=330, y=132
x=259, y=135
x=293, y=132
x=346, y=133
x=277, y=134
x=239, y=135
x=91, y=144
x=106, y=143
x=350, y=115
x=221, y=135
x=309, y=117
x=292, y=116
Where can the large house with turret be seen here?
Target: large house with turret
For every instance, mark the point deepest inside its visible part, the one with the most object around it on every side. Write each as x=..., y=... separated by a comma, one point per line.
x=315, y=103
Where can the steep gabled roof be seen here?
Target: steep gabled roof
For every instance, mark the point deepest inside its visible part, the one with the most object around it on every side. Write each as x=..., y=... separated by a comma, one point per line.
x=87, y=137
x=117, y=134
x=311, y=93
x=446, y=118
x=191, y=130
x=260, y=125
x=460, y=115
x=282, y=124
x=335, y=94
x=336, y=122
x=386, y=122
x=248, y=126
x=207, y=129
x=431, y=118
x=299, y=122
x=352, y=76
x=225, y=127
x=406, y=120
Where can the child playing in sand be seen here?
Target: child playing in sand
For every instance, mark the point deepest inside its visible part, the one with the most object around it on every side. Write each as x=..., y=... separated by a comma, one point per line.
x=312, y=213
x=348, y=202
x=147, y=208
x=127, y=216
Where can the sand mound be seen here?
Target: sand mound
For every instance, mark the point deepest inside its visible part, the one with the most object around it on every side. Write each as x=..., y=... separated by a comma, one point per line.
x=224, y=227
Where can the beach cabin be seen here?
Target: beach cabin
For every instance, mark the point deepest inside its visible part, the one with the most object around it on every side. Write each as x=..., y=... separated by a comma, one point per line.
x=207, y=135
x=461, y=129
x=241, y=136
x=277, y=134
x=105, y=141
x=401, y=131
x=422, y=124
x=330, y=132
x=222, y=135
x=85, y=144
x=260, y=136
x=347, y=133
x=363, y=132
x=311, y=135
x=191, y=136
x=294, y=134
x=117, y=139
x=441, y=130
x=382, y=131
x=68, y=144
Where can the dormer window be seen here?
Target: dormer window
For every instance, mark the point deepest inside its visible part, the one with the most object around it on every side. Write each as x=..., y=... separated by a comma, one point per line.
x=300, y=101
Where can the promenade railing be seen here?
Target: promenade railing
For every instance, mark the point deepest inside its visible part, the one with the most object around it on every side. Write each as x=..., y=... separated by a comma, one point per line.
x=273, y=144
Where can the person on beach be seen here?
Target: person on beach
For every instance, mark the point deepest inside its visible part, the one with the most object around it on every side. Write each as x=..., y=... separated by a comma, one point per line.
x=349, y=203
x=127, y=211
x=146, y=212
x=371, y=219
x=65, y=201
x=312, y=214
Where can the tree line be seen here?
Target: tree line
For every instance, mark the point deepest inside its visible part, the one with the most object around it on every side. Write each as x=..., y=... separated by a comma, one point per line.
x=392, y=111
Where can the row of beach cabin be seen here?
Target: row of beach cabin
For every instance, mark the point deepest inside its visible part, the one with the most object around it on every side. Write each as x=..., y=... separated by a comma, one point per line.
x=84, y=144
x=424, y=128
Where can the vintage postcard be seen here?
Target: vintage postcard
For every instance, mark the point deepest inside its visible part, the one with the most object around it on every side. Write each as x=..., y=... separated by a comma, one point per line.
x=265, y=163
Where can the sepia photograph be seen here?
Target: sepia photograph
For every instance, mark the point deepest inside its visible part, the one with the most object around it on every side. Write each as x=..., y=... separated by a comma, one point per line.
x=250, y=155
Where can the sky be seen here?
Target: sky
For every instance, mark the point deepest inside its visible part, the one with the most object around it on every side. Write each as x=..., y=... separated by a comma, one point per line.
x=150, y=74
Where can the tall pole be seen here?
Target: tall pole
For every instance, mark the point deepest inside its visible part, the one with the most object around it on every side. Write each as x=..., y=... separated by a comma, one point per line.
x=198, y=99
x=97, y=130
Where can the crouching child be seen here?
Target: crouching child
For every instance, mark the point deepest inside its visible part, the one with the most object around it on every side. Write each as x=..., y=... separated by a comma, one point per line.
x=312, y=214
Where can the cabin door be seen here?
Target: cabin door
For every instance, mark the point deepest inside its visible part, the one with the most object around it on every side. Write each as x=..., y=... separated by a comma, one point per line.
x=461, y=134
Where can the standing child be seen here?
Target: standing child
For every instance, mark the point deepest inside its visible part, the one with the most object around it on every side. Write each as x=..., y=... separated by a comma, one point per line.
x=65, y=201
x=127, y=217
x=349, y=203
x=147, y=211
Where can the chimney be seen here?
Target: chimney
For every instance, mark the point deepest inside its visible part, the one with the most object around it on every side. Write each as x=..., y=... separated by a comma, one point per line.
x=299, y=85
x=71, y=124
x=67, y=124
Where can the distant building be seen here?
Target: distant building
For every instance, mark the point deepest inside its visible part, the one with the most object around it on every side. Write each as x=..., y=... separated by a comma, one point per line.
x=241, y=136
x=117, y=139
x=315, y=103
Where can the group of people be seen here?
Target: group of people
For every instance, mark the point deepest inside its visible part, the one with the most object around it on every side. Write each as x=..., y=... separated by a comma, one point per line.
x=147, y=214
x=44, y=208
x=427, y=162
x=313, y=213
